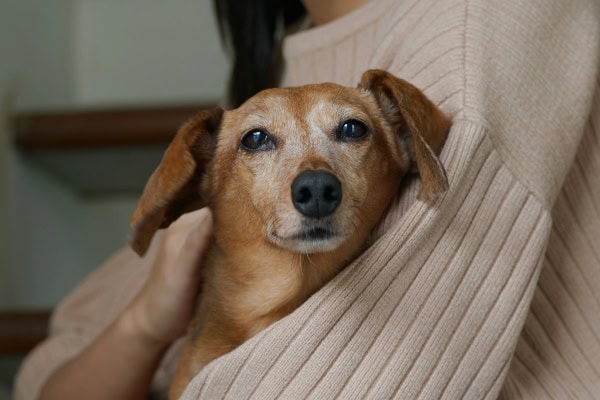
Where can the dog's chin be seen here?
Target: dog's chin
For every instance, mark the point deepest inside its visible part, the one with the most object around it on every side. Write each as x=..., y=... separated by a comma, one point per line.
x=308, y=241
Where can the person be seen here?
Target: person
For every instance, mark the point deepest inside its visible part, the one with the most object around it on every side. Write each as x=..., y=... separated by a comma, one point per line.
x=489, y=292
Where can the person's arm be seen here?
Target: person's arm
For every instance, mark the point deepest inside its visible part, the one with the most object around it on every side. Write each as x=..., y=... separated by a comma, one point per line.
x=121, y=362
x=119, y=365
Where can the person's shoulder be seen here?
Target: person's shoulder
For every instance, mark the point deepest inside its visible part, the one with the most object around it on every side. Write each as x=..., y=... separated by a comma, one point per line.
x=524, y=72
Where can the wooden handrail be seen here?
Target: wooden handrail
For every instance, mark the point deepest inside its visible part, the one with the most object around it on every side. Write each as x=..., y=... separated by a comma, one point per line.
x=100, y=128
x=21, y=331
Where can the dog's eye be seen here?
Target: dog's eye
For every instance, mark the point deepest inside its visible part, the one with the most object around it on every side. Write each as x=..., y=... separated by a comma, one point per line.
x=257, y=140
x=352, y=131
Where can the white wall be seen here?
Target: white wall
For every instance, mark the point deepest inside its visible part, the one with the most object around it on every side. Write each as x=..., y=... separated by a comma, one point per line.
x=33, y=72
x=73, y=53
x=147, y=51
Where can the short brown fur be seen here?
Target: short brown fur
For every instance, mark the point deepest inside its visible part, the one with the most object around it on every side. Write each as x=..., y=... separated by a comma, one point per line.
x=260, y=267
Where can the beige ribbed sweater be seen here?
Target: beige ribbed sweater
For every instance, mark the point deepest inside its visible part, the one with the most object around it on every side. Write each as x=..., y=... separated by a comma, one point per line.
x=494, y=290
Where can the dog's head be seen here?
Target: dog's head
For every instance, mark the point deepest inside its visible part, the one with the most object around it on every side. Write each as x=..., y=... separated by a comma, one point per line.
x=305, y=169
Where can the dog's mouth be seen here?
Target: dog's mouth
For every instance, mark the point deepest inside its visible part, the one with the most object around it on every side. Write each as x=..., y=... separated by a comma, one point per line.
x=312, y=234
x=309, y=234
x=309, y=239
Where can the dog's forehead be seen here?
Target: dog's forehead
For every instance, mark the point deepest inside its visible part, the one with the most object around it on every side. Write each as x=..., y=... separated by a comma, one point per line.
x=302, y=98
x=310, y=104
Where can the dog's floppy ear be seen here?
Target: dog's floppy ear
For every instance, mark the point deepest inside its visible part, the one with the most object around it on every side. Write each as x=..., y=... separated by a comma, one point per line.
x=417, y=119
x=174, y=187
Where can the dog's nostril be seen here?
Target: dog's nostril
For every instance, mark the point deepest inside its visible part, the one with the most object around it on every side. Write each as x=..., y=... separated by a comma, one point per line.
x=316, y=194
x=303, y=195
x=330, y=193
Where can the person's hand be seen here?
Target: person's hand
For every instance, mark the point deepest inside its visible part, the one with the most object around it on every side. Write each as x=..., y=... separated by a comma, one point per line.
x=165, y=305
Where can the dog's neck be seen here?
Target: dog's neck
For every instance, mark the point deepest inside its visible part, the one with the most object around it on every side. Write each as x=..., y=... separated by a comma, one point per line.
x=265, y=264
x=265, y=282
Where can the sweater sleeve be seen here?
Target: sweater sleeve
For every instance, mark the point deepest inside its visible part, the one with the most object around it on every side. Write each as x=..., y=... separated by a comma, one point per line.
x=558, y=351
x=529, y=78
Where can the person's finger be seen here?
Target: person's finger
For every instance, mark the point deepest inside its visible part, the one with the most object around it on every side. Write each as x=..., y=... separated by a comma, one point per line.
x=187, y=245
x=177, y=234
x=196, y=242
x=187, y=220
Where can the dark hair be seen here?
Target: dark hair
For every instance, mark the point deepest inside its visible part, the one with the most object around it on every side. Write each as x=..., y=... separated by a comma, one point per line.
x=252, y=29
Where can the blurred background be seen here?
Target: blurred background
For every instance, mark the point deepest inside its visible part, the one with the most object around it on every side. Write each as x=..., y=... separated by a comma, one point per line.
x=90, y=93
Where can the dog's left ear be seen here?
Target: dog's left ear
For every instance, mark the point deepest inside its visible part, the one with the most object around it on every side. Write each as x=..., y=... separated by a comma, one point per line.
x=174, y=187
x=416, y=119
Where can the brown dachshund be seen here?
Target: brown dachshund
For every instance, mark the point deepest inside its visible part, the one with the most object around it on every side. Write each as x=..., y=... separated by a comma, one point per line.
x=296, y=179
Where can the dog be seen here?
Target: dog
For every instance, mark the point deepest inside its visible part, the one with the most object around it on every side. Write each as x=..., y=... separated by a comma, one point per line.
x=296, y=179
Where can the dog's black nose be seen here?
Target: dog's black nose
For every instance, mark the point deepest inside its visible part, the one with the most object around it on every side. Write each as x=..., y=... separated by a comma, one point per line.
x=316, y=194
